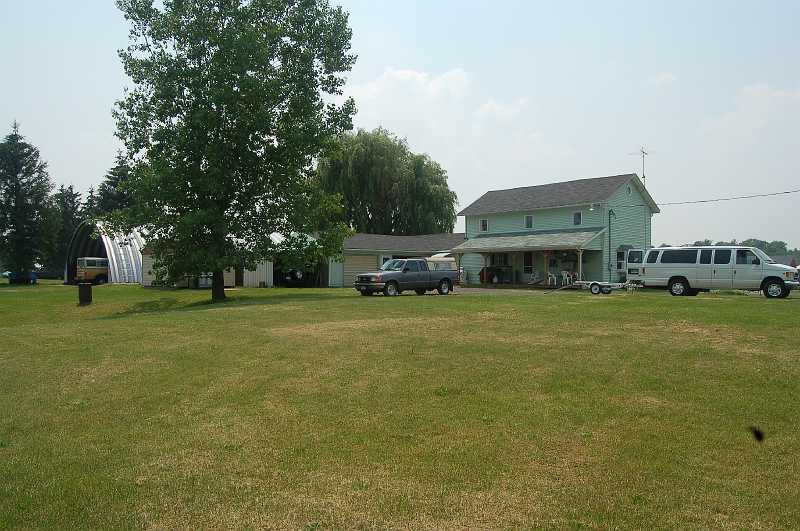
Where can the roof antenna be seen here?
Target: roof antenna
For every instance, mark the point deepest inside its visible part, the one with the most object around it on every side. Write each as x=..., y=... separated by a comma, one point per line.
x=641, y=153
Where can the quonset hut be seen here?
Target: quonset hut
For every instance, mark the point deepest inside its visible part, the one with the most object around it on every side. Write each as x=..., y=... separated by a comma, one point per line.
x=124, y=253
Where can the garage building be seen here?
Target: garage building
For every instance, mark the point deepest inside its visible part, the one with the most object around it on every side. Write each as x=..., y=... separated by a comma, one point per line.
x=367, y=252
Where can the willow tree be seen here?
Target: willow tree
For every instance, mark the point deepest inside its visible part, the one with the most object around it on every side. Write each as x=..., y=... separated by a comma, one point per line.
x=227, y=113
x=385, y=187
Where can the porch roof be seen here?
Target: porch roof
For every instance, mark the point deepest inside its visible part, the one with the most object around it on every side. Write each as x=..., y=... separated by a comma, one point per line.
x=528, y=242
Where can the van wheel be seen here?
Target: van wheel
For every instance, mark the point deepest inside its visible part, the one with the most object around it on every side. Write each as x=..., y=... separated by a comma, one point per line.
x=391, y=290
x=419, y=291
x=679, y=287
x=774, y=289
x=444, y=287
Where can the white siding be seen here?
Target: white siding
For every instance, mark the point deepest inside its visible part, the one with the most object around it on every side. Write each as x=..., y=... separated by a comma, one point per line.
x=355, y=264
x=147, y=270
x=261, y=277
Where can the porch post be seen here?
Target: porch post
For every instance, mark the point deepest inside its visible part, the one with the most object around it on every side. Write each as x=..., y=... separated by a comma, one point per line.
x=580, y=264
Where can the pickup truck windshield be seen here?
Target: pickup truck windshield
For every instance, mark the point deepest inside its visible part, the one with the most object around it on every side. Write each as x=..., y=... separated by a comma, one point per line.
x=393, y=265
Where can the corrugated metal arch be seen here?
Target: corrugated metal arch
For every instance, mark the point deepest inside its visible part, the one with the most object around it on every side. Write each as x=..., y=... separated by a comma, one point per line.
x=124, y=252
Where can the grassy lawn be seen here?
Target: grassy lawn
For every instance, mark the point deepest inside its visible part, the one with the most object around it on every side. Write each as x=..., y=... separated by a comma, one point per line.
x=320, y=409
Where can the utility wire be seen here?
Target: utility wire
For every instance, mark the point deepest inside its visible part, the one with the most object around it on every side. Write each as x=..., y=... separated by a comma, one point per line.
x=728, y=198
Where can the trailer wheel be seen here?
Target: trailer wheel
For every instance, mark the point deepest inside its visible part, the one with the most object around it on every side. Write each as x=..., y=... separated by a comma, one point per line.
x=605, y=291
x=595, y=289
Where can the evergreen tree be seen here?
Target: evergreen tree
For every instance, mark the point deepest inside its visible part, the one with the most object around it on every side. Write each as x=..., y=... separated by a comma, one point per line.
x=24, y=189
x=113, y=194
x=91, y=206
x=66, y=204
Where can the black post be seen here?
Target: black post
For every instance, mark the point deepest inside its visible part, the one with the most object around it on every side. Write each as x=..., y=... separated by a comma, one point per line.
x=610, y=259
x=84, y=293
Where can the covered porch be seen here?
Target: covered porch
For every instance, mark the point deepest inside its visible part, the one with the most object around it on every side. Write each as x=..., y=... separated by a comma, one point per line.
x=550, y=260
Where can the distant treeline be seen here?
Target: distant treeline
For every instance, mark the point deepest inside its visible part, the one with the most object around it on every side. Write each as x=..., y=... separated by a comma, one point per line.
x=773, y=248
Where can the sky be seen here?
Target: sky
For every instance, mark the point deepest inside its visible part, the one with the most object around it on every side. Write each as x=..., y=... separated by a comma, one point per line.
x=502, y=94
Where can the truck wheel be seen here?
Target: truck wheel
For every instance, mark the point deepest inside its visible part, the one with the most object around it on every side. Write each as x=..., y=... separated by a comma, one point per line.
x=594, y=289
x=391, y=290
x=444, y=287
x=419, y=291
x=679, y=287
x=773, y=289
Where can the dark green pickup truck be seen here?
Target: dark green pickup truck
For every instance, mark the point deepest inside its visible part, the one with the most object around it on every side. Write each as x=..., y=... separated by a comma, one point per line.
x=407, y=274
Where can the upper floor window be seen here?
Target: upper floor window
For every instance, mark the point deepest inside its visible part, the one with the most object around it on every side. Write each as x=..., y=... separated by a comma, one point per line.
x=484, y=225
x=529, y=221
x=577, y=218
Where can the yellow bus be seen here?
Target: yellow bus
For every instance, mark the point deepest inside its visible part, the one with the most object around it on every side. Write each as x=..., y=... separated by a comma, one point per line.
x=91, y=269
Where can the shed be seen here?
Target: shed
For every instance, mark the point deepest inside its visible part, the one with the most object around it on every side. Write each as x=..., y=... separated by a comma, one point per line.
x=123, y=251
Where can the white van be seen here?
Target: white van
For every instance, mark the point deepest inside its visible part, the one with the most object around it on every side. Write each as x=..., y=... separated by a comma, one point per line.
x=690, y=270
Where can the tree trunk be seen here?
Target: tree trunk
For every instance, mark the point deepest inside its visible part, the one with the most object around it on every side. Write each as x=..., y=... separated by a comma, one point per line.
x=218, y=286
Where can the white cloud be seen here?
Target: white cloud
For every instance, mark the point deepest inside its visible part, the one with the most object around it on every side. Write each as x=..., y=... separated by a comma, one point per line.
x=483, y=143
x=662, y=78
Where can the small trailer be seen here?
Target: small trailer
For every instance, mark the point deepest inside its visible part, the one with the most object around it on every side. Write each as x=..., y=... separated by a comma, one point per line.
x=596, y=287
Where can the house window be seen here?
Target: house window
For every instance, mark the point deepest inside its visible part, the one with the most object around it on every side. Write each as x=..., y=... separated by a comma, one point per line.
x=484, y=225
x=629, y=190
x=577, y=218
x=529, y=221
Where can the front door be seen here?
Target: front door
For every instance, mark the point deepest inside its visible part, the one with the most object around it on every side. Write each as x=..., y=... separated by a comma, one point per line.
x=722, y=271
x=747, y=270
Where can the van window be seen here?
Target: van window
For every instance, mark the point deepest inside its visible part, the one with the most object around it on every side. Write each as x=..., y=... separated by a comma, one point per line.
x=745, y=257
x=423, y=265
x=652, y=257
x=722, y=256
x=705, y=256
x=635, y=257
x=412, y=266
x=679, y=256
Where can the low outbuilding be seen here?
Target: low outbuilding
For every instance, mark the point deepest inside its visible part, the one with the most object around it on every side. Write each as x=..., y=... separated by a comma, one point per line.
x=367, y=252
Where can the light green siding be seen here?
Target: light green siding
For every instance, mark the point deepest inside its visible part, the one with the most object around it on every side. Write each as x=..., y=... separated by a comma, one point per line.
x=471, y=264
x=335, y=273
x=544, y=219
x=632, y=225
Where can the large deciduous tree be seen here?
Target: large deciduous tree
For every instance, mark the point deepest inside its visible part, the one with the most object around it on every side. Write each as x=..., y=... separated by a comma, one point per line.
x=225, y=119
x=385, y=187
x=24, y=203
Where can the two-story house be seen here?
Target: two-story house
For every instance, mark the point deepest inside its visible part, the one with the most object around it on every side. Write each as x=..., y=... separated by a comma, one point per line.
x=554, y=233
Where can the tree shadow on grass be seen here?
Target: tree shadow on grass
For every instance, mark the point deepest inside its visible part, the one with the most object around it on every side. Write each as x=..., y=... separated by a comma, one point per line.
x=165, y=304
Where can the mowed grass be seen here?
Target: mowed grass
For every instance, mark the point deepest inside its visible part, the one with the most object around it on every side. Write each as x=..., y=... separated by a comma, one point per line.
x=323, y=409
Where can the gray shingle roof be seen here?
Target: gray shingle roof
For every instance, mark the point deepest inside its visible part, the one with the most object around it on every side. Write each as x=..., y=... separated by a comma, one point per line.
x=528, y=242
x=580, y=192
x=424, y=243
